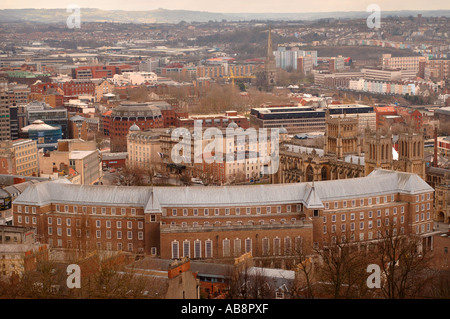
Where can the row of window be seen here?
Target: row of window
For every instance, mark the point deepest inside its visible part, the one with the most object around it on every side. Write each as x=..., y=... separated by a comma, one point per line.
x=98, y=233
x=422, y=207
x=422, y=217
x=370, y=235
x=108, y=223
x=108, y=245
x=27, y=220
x=204, y=249
x=237, y=210
x=419, y=228
x=85, y=209
x=362, y=224
x=362, y=214
x=369, y=201
x=230, y=223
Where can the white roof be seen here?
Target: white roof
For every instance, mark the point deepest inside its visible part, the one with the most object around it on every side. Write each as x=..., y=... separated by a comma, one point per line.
x=272, y=272
x=38, y=125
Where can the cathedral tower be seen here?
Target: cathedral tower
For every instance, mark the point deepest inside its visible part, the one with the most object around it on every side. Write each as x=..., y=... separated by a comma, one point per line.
x=342, y=136
x=411, y=153
x=378, y=151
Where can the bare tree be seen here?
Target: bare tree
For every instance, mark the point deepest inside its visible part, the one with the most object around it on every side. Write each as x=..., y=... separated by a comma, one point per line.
x=404, y=263
x=303, y=285
x=44, y=281
x=439, y=286
x=248, y=282
x=342, y=267
x=130, y=176
x=109, y=277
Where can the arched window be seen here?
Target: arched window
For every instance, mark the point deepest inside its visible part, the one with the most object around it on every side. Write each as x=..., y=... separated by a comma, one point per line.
x=324, y=173
x=309, y=174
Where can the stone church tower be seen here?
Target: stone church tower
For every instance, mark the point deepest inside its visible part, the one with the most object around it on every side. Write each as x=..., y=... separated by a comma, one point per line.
x=378, y=151
x=342, y=136
x=267, y=78
x=411, y=153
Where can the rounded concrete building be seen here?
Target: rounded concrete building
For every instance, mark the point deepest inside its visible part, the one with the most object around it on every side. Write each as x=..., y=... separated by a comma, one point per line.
x=143, y=115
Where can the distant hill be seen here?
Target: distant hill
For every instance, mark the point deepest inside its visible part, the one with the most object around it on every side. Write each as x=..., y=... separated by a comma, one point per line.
x=176, y=16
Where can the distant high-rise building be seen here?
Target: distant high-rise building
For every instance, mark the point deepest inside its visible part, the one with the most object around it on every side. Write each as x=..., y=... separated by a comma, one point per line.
x=286, y=59
x=312, y=53
x=14, y=122
x=305, y=64
x=5, y=133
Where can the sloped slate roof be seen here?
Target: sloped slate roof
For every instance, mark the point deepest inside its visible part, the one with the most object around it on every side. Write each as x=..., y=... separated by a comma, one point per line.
x=312, y=199
x=152, y=199
x=226, y=195
x=62, y=191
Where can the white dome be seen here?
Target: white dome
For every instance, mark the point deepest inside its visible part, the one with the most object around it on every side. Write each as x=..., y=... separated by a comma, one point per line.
x=134, y=127
x=38, y=125
x=283, y=130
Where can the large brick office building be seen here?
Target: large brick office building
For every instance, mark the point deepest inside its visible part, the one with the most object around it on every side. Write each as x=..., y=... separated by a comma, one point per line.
x=220, y=222
x=144, y=115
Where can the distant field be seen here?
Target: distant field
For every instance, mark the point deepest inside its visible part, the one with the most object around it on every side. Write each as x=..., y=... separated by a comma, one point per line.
x=358, y=52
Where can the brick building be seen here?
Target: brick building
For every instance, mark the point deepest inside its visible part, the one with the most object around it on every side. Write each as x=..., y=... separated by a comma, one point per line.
x=105, y=123
x=224, y=222
x=99, y=71
x=5, y=104
x=78, y=87
x=42, y=87
x=78, y=127
x=144, y=115
x=102, y=87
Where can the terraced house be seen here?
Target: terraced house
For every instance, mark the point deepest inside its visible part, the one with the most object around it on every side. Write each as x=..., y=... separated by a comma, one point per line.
x=223, y=222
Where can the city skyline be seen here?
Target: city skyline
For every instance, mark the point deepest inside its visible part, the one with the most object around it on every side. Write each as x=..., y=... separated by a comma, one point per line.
x=233, y=6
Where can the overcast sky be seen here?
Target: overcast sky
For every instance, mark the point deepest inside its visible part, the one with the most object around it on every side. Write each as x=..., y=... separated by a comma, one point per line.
x=230, y=6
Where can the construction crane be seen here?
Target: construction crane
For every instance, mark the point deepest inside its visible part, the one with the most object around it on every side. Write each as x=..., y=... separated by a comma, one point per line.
x=233, y=77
